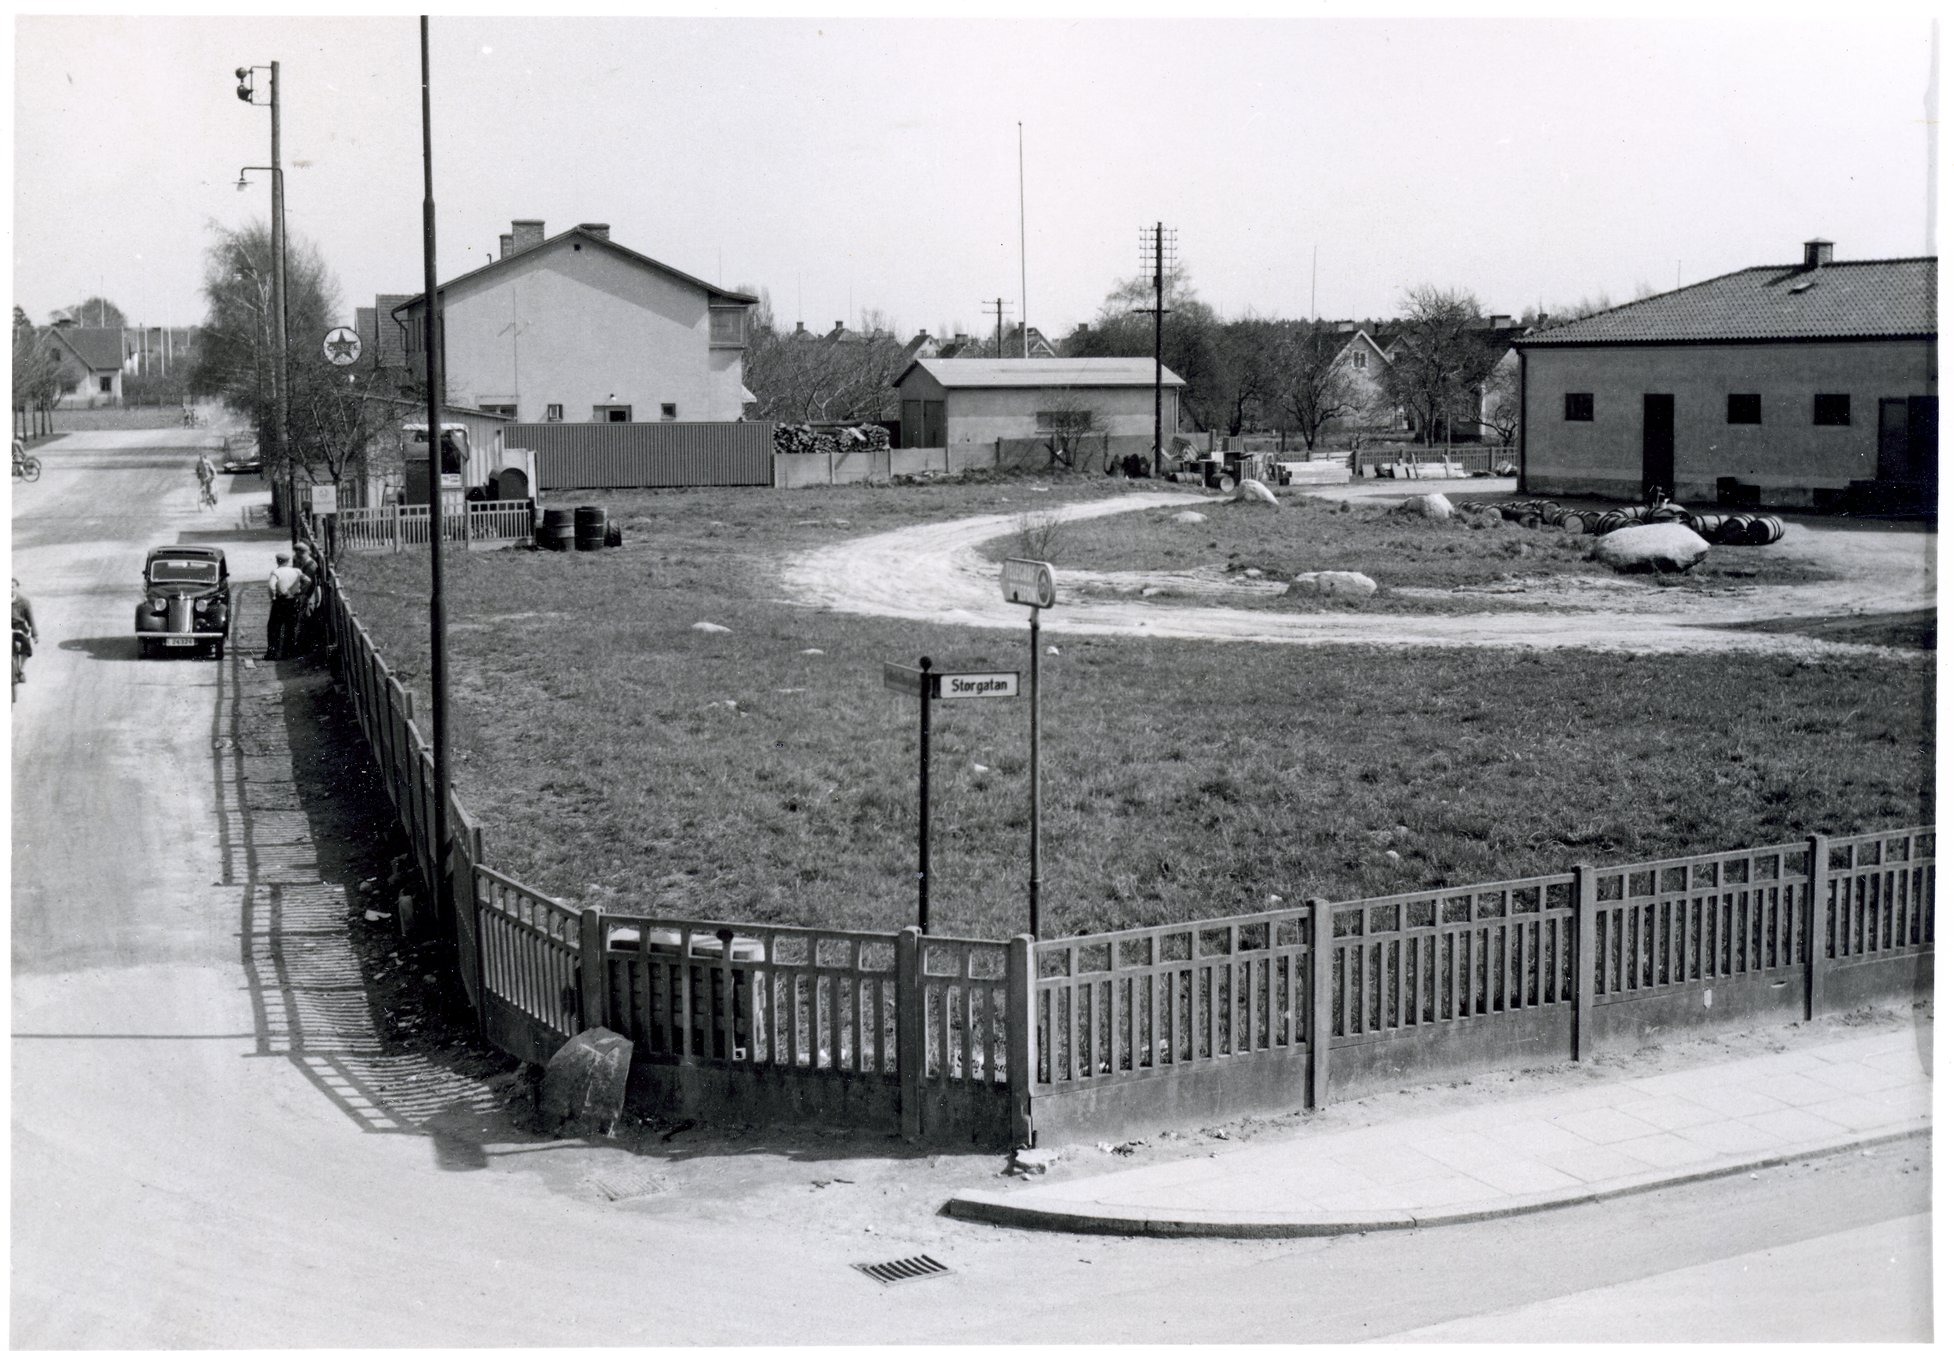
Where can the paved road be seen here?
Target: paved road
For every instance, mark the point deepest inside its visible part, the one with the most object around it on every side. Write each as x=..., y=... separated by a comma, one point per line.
x=211, y=1147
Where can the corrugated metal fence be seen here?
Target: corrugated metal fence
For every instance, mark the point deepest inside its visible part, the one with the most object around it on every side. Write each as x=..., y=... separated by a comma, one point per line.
x=646, y=454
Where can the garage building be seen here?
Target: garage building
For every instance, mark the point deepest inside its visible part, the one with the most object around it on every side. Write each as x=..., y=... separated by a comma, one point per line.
x=1806, y=384
x=1017, y=404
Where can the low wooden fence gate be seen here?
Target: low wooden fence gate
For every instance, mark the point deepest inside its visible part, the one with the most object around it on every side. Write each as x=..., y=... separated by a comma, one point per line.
x=991, y=1043
x=392, y=529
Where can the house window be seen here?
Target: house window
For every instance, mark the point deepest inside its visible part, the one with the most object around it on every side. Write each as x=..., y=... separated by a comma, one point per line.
x=668, y=412
x=505, y=409
x=1831, y=410
x=108, y=384
x=1745, y=408
x=1579, y=408
x=1359, y=360
x=729, y=326
x=552, y=412
x=611, y=412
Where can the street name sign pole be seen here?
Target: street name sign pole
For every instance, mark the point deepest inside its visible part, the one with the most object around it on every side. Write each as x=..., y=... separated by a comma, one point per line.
x=1034, y=585
x=926, y=685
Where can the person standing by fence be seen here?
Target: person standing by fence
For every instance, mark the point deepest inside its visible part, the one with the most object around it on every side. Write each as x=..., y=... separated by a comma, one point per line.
x=285, y=586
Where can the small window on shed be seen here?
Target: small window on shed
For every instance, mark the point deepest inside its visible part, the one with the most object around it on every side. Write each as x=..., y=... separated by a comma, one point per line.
x=552, y=412
x=1579, y=408
x=1831, y=410
x=668, y=412
x=1745, y=408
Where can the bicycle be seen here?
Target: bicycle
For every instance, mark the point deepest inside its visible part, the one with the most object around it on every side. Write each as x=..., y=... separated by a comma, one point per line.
x=207, y=496
x=25, y=466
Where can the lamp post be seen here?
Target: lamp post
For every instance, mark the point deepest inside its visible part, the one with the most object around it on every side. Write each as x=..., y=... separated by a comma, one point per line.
x=280, y=383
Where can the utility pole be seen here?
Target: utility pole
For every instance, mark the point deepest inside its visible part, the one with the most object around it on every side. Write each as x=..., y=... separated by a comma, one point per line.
x=437, y=615
x=998, y=308
x=1156, y=242
x=282, y=386
x=1024, y=298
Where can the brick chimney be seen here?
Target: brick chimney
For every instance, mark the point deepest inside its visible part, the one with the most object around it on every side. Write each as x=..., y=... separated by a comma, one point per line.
x=508, y=245
x=1818, y=252
x=527, y=234
x=598, y=228
x=799, y=327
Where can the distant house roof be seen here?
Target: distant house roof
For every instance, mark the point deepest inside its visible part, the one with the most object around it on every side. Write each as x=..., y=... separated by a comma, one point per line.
x=1874, y=298
x=581, y=234
x=99, y=349
x=1055, y=372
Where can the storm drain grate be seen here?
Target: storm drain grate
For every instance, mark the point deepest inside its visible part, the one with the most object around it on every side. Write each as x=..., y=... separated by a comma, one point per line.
x=902, y=1269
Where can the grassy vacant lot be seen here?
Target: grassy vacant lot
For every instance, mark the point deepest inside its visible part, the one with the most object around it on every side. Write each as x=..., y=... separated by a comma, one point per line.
x=1396, y=550
x=614, y=752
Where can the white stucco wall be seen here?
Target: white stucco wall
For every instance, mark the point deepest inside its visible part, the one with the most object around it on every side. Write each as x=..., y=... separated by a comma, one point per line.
x=593, y=328
x=1786, y=455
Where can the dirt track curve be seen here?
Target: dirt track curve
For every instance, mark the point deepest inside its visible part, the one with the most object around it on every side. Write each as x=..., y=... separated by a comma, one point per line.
x=935, y=573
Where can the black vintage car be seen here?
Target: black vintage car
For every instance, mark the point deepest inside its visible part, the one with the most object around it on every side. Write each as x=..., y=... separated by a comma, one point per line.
x=186, y=600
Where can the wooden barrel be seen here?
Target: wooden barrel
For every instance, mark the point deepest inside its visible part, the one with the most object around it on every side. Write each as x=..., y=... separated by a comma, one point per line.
x=1705, y=523
x=1577, y=522
x=559, y=528
x=1764, y=530
x=1611, y=521
x=1735, y=530
x=590, y=529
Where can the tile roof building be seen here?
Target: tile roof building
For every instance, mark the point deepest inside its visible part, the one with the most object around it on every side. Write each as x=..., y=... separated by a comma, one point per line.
x=1800, y=384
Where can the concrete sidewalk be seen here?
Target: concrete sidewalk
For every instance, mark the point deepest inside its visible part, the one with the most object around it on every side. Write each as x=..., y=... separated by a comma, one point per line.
x=1555, y=1148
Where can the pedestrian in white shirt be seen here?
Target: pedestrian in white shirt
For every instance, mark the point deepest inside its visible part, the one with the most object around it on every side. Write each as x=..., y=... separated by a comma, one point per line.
x=285, y=585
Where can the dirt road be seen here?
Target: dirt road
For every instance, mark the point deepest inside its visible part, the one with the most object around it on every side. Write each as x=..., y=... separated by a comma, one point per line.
x=934, y=572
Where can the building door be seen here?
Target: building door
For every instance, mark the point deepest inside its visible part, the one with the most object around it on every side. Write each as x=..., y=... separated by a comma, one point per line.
x=1658, y=443
x=1909, y=439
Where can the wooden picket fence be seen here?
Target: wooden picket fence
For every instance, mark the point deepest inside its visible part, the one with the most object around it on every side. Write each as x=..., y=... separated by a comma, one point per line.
x=393, y=529
x=1091, y=1036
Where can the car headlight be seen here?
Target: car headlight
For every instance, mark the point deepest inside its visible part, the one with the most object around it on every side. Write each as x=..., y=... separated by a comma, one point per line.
x=157, y=607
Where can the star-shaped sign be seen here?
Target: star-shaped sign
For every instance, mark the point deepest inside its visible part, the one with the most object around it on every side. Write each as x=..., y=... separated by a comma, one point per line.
x=342, y=347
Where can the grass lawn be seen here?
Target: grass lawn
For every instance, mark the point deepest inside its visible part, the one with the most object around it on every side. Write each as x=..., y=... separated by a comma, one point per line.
x=613, y=752
x=1393, y=549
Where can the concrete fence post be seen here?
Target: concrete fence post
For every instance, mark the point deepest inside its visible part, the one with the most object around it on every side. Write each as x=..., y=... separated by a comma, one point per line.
x=1819, y=924
x=1021, y=1033
x=1585, y=940
x=1322, y=928
x=912, y=1031
x=592, y=977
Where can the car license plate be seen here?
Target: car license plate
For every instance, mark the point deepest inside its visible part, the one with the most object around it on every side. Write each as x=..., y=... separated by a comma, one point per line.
x=179, y=642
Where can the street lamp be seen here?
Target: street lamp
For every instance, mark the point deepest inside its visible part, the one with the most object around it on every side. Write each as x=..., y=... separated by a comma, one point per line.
x=247, y=92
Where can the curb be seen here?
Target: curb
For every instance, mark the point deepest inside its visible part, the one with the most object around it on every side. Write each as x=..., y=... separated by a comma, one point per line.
x=1028, y=1212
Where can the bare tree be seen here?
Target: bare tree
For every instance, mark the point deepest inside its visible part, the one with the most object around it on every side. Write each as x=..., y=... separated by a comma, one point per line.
x=1313, y=385
x=1438, y=364
x=815, y=380
x=1070, y=420
x=1501, y=402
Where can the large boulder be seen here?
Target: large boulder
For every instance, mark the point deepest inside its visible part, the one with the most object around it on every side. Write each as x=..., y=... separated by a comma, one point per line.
x=1249, y=490
x=583, y=1085
x=1436, y=506
x=1667, y=547
x=1188, y=518
x=1341, y=585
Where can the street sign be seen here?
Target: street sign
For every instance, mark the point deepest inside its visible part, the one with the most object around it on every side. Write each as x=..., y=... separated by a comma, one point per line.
x=1027, y=582
x=907, y=679
x=325, y=499
x=342, y=346
x=976, y=684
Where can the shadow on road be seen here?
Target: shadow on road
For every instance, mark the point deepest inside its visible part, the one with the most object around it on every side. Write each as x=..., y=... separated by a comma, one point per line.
x=119, y=648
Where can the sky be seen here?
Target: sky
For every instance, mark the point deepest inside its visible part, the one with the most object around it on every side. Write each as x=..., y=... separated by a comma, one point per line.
x=1306, y=166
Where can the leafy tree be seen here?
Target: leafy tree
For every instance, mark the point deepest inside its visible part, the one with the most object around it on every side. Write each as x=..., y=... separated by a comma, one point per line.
x=1187, y=340
x=1438, y=363
x=1245, y=372
x=37, y=366
x=236, y=351
x=1311, y=386
x=94, y=312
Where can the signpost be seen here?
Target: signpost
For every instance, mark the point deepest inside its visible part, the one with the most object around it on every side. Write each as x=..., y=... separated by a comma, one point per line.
x=923, y=683
x=325, y=510
x=342, y=346
x=1034, y=585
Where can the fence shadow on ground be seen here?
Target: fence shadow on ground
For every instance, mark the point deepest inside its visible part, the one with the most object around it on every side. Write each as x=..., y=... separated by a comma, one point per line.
x=294, y=831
